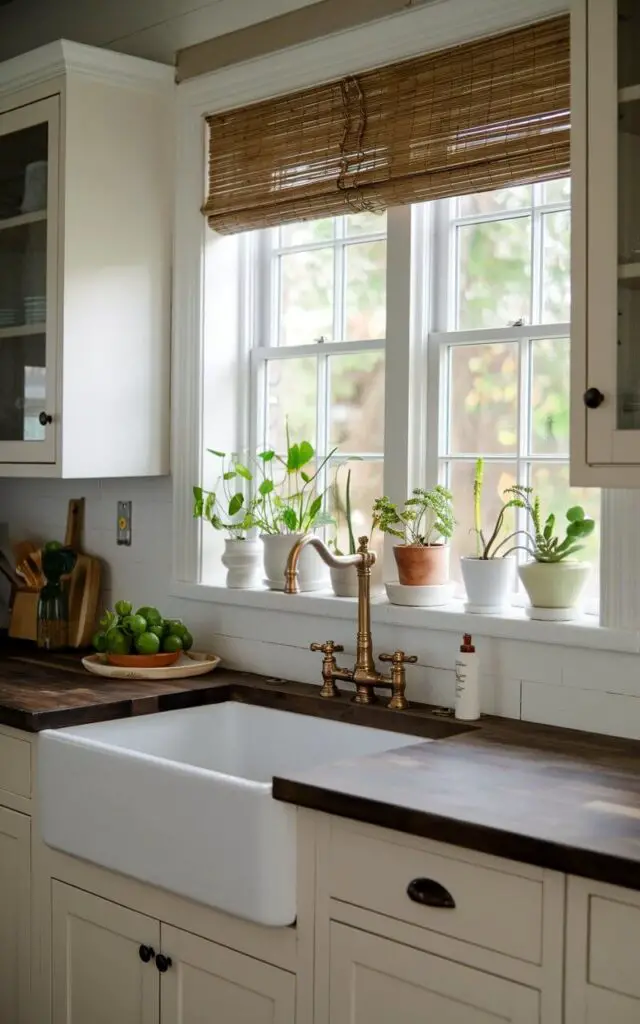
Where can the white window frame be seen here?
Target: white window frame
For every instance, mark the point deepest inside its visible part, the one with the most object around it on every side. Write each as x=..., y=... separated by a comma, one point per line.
x=406, y=424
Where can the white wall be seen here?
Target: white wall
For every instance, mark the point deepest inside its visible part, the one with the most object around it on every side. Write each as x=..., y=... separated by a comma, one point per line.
x=145, y=28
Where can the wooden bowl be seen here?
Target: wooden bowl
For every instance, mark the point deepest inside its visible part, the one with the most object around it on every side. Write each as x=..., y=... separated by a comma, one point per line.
x=143, y=660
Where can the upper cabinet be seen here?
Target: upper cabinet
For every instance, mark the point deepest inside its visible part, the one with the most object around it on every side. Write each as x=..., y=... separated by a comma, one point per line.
x=606, y=243
x=86, y=157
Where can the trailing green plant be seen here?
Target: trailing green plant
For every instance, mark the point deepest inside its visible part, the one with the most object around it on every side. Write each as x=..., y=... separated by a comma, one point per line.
x=425, y=516
x=287, y=498
x=542, y=542
x=490, y=548
x=343, y=508
x=227, y=508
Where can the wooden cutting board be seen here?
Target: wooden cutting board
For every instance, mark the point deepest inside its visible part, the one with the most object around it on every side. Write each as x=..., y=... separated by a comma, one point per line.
x=84, y=582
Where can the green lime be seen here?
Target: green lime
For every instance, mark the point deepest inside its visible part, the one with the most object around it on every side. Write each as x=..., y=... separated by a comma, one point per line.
x=118, y=642
x=147, y=643
x=171, y=644
x=99, y=641
x=187, y=640
x=134, y=624
x=157, y=631
x=178, y=629
x=52, y=545
x=152, y=615
x=171, y=624
x=123, y=608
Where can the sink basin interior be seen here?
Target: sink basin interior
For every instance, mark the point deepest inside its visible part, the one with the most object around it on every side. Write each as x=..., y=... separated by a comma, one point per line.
x=241, y=740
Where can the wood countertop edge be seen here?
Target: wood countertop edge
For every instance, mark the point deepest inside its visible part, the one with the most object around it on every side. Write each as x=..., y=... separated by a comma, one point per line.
x=584, y=862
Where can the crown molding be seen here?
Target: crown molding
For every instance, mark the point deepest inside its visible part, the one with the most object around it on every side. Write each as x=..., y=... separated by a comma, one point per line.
x=63, y=58
x=418, y=30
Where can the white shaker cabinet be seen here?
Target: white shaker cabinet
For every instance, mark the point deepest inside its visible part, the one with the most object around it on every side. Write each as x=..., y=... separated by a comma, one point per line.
x=605, y=428
x=86, y=141
x=15, y=909
x=376, y=981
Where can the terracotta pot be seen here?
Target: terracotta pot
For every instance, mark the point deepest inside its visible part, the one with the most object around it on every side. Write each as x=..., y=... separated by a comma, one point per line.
x=422, y=566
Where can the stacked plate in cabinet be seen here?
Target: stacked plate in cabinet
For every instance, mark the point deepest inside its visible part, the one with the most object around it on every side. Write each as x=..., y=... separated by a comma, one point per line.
x=35, y=309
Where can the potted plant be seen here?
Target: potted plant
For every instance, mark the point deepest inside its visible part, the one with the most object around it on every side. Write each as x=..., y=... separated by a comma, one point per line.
x=553, y=579
x=424, y=524
x=489, y=574
x=229, y=510
x=345, y=580
x=286, y=507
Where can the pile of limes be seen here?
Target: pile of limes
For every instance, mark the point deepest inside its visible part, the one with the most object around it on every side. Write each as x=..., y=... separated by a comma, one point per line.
x=124, y=631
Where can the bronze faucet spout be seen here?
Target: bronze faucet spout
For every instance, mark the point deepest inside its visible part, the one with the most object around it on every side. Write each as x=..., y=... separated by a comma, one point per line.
x=333, y=561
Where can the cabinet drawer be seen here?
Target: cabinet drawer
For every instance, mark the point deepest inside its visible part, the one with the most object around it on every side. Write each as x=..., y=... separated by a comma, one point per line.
x=493, y=908
x=15, y=766
x=614, y=950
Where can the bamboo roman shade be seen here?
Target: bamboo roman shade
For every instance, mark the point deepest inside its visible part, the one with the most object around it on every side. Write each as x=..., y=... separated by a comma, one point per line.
x=479, y=116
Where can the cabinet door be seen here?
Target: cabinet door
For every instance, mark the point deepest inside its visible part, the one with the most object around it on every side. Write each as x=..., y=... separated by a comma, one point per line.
x=207, y=982
x=28, y=281
x=606, y=161
x=98, y=974
x=15, y=873
x=377, y=981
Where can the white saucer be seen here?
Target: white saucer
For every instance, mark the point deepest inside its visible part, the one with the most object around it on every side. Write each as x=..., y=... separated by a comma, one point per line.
x=420, y=597
x=553, y=614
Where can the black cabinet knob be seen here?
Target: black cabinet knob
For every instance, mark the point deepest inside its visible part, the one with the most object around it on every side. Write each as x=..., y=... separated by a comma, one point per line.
x=592, y=398
x=430, y=894
x=163, y=963
x=44, y=418
x=146, y=953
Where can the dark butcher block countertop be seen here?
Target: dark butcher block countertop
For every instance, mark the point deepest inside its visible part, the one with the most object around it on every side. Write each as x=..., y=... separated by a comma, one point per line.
x=556, y=798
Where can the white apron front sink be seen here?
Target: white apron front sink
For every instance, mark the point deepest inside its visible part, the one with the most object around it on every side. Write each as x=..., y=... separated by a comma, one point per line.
x=182, y=799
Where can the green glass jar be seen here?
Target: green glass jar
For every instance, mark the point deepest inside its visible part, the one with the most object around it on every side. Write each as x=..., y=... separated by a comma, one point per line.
x=53, y=602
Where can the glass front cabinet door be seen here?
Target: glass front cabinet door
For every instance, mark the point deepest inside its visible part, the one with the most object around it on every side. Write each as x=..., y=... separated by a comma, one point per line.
x=28, y=286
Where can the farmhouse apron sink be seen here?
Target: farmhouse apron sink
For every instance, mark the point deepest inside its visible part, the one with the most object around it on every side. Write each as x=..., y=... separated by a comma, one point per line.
x=183, y=799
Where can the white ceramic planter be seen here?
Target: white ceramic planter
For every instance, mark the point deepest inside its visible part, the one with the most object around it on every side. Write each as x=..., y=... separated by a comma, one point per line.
x=489, y=583
x=344, y=581
x=554, y=588
x=312, y=572
x=242, y=560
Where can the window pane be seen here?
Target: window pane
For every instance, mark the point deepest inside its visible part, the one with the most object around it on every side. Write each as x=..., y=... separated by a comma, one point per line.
x=494, y=273
x=366, y=291
x=556, y=273
x=356, y=402
x=307, y=232
x=557, y=191
x=366, y=486
x=291, y=394
x=496, y=202
x=497, y=477
x=550, y=396
x=306, y=289
x=366, y=223
x=483, y=399
x=551, y=483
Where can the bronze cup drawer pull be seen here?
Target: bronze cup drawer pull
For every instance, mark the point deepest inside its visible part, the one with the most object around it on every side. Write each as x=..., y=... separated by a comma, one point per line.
x=430, y=894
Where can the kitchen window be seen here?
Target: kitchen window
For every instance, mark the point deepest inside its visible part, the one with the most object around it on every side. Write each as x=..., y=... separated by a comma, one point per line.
x=324, y=311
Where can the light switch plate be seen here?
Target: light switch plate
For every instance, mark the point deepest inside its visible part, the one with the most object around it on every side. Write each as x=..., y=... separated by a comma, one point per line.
x=124, y=523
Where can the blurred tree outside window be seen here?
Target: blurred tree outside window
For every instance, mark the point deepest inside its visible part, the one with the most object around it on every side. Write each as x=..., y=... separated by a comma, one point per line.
x=504, y=335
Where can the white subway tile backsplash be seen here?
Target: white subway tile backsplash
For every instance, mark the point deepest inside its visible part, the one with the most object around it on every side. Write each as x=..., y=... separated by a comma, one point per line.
x=568, y=685
x=590, y=710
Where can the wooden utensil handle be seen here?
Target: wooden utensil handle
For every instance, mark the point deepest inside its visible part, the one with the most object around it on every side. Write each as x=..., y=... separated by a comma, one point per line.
x=75, y=515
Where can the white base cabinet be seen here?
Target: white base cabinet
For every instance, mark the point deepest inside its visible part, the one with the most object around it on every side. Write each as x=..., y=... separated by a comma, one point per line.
x=376, y=981
x=603, y=954
x=105, y=970
x=15, y=875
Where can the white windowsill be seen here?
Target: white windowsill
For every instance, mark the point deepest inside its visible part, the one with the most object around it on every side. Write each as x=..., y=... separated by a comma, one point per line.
x=584, y=632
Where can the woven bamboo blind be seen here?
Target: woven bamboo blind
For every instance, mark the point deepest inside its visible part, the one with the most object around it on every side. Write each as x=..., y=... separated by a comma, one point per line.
x=479, y=116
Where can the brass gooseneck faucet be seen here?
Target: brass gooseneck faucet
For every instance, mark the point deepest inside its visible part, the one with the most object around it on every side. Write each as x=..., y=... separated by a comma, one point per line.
x=364, y=673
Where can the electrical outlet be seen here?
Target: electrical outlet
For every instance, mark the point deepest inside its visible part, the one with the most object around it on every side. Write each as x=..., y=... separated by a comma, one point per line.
x=124, y=523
